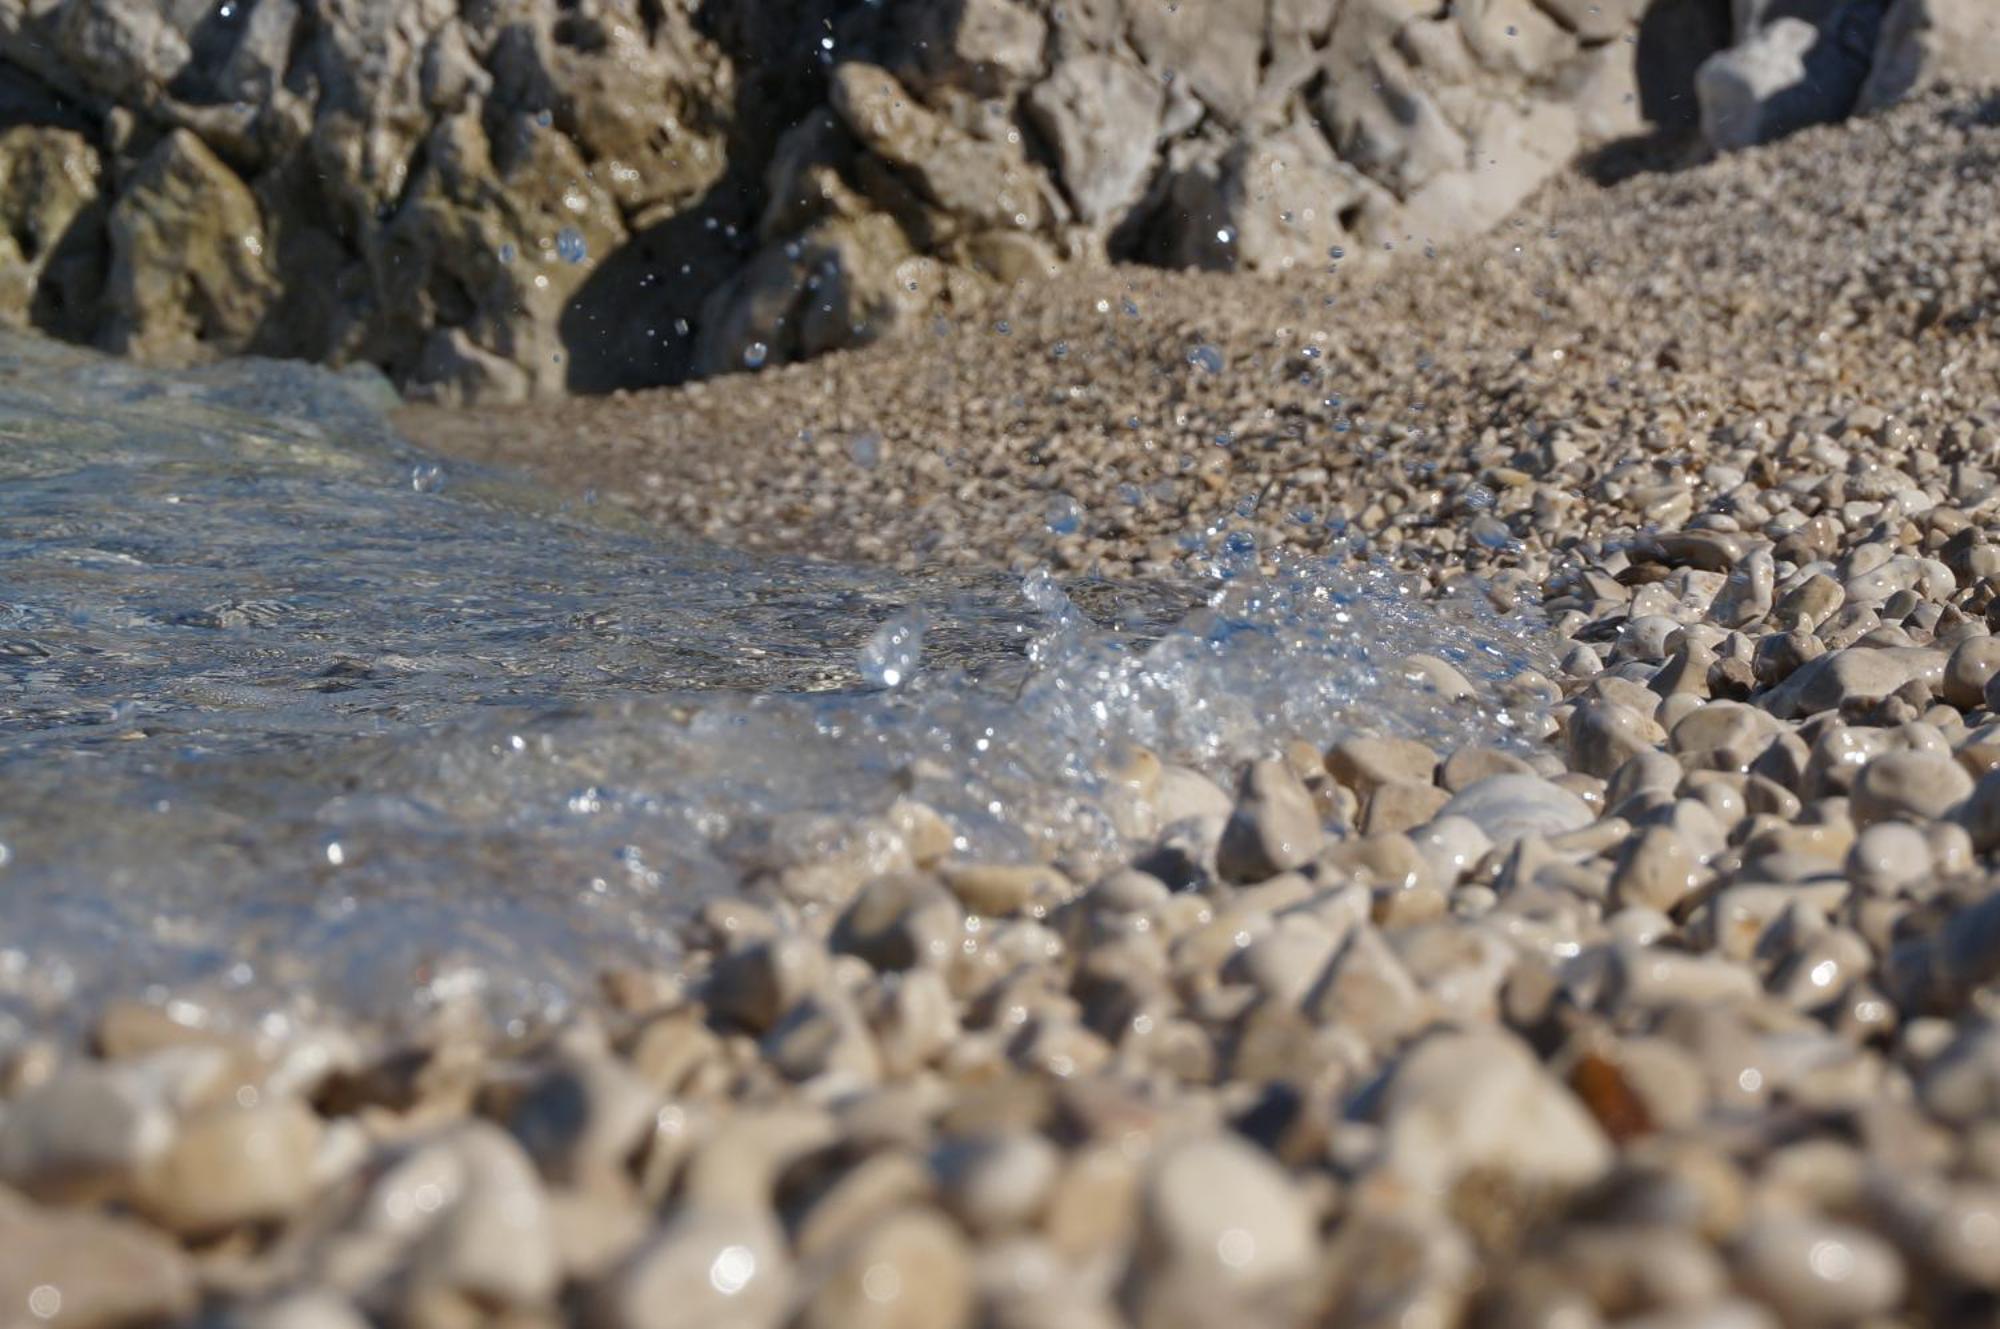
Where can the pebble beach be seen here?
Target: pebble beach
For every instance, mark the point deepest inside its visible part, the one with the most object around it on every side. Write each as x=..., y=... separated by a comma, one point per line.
x=1663, y=1002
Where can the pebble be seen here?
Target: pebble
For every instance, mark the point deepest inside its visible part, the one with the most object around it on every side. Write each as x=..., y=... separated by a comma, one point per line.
x=229, y=1166
x=1971, y=666
x=1460, y=1103
x=1275, y=826
x=1912, y=786
x=583, y=1117
x=1363, y=763
x=1656, y=871
x=480, y=1218
x=1508, y=807
x=1816, y=1272
x=909, y=1270
x=704, y=1268
x=1446, y=680
x=998, y=1182
x=756, y=985
x=1216, y=1211
x=89, y=1130
x=83, y=1269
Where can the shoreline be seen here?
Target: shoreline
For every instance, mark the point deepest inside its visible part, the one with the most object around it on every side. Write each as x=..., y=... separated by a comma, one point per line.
x=1680, y=1017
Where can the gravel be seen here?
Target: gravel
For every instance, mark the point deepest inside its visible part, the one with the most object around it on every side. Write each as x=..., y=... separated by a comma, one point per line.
x=1681, y=1018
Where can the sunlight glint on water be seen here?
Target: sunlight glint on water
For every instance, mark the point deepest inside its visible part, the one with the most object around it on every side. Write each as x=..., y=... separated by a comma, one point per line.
x=281, y=721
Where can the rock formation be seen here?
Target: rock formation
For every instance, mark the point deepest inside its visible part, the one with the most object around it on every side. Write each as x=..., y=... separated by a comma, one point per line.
x=516, y=198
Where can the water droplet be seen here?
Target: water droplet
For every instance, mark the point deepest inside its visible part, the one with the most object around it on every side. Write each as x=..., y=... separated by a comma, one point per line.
x=1206, y=357
x=1130, y=495
x=1060, y=350
x=1478, y=498
x=893, y=652
x=1004, y=328
x=755, y=354
x=866, y=450
x=544, y=119
x=427, y=477
x=1064, y=515
x=506, y=253
x=570, y=245
x=1225, y=235
x=1489, y=532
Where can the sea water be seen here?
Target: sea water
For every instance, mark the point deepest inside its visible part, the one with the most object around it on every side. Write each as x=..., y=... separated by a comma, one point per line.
x=295, y=717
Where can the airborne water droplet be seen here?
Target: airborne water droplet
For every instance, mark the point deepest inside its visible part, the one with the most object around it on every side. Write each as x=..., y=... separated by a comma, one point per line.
x=893, y=652
x=570, y=244
x=1064, y=516
x=1206, y=357
x=755, y=354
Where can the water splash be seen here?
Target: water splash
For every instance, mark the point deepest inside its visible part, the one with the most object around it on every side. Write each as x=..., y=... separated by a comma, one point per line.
x=281, y=728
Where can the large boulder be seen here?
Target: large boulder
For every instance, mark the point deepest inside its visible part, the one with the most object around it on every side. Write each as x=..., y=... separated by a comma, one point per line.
x=1266, y=203
x=1924, y=42
x=1100, y=115
x=494, y=237
x=976, y=181
x=50, y=268
x=190, y=271
x=845, y=282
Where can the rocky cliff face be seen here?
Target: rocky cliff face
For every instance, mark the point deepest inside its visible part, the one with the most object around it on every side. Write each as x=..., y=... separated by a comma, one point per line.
x=507, y=198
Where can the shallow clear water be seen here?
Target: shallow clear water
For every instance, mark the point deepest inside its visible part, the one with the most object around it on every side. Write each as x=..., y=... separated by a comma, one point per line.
x=290, y=713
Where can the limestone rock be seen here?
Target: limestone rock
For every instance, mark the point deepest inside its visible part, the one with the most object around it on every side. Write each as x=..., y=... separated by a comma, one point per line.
x=982, y=182
x=88, y=1130
x=1214, y=48
x=1787, y=73
x=1100, y=115
x=1930, y=41
x=122, y=48
x=908, y=1270
x=1266, y=204
x=66, y=1268
x=50, y=268
x=705, y=1267
x=1507, y=807
x=491, y=237
x=1218, y=1215
x=1460, y=1102
x=987, y=46
x=841, y=283
x=190, y=269
x=1275, y=827
x=641, y=107
x=232, y=1165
